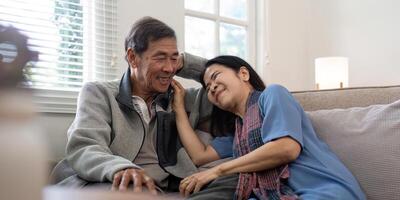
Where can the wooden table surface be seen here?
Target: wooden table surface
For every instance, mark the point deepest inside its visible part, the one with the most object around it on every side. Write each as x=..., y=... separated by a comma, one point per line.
x=62, y=193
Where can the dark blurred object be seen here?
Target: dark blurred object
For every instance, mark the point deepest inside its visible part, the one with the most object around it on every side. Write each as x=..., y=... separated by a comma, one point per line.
x=11, y=72
x=23, y=152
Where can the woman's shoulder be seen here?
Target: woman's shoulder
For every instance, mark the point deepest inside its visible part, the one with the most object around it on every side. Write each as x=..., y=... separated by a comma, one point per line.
x=276, y=97
x=275, y=90
x=276, y=94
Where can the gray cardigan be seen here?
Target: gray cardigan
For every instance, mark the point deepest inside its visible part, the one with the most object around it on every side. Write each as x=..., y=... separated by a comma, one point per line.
x=107, y=132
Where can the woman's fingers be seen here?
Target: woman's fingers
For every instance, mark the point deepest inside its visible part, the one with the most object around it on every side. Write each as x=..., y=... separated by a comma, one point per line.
x=198, y=186
x=177, y=86
x=187, y=185
x=179, y=94
x=182, y=186
x=173, y=84
x=189, y=188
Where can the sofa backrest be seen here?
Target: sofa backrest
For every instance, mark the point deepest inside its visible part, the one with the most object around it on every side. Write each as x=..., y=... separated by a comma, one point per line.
x=347, y=97
x=362, y=126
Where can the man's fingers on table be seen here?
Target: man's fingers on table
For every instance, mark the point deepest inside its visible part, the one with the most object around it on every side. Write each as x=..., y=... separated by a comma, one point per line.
x=126, y=179
x=137, y=182
x=150, y=185
x=116, y=181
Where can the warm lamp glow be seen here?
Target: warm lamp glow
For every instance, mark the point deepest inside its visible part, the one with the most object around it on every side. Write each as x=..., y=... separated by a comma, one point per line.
x=331, y=72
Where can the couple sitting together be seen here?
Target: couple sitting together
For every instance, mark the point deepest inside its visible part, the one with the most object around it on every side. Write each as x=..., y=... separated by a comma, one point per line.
x=233, y=138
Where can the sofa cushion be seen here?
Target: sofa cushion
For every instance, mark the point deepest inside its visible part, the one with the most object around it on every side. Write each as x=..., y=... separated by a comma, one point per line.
x=367, y=140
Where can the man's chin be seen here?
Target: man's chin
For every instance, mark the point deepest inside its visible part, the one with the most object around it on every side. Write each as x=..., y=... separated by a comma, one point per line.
x=162, y=89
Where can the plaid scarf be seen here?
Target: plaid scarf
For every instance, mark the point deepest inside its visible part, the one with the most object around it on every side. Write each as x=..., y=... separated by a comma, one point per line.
x=268, y=184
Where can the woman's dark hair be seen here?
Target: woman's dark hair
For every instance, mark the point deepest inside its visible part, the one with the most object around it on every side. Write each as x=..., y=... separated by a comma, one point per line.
x=223, y=122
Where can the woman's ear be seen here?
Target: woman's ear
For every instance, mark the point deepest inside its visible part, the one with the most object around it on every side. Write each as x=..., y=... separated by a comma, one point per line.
x=244, y=73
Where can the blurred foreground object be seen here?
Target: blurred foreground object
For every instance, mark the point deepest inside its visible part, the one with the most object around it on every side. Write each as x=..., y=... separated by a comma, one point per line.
x=65, y=193
x=14, y=54
x=22, y=151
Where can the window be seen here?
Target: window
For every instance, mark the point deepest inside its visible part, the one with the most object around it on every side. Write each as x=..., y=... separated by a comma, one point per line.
x=76, y=40
x=215, y=27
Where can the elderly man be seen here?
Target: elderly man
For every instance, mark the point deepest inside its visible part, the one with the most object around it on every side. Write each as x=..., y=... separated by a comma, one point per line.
x=124, y=131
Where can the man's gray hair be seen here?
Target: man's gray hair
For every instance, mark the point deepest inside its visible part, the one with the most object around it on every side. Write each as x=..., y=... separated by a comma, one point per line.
x=146, y=30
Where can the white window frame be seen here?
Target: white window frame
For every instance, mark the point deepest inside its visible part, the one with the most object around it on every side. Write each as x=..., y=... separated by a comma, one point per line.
x=249, y=25
x=261, y=37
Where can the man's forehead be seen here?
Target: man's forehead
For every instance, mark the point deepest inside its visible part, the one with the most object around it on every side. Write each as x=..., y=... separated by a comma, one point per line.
x=168, y=45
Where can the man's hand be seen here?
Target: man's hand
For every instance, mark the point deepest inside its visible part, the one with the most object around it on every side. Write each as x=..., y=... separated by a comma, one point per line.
x=138, y=177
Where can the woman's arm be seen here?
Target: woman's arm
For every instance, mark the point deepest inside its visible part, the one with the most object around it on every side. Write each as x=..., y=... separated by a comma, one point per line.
x=198, y=152
x=268, y=156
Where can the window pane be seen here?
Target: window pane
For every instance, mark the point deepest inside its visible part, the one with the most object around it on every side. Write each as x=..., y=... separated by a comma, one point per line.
x=200, y=37
x=236, y=9
x=233, y=40
x=200, y=5
x=61, y=32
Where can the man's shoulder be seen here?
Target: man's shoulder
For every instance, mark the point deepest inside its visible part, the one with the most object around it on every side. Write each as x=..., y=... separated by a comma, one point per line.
x=100, y=90
x=103, y=85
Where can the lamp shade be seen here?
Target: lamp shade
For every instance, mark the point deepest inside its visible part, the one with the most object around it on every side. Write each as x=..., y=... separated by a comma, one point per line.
x=331, y=72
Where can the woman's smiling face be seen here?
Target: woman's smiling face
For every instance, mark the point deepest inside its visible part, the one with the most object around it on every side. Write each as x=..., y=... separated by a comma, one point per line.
x=225, y=87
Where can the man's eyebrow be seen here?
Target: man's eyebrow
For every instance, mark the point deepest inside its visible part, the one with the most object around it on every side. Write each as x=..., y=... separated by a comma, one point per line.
x=159, y=53
x=162, y=53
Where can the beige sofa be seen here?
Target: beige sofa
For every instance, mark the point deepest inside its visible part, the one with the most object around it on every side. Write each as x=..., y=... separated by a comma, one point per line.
x=362, y=126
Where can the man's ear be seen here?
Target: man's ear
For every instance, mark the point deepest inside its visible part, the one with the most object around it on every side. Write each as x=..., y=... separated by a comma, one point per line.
x=244, y=73
x=132, y=57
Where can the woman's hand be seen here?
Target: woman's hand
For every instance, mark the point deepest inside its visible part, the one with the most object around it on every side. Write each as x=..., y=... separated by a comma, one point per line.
x=196, y=181
x=178, y=103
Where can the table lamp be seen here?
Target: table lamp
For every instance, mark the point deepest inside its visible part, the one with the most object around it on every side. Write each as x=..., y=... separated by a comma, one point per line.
x=331, y=72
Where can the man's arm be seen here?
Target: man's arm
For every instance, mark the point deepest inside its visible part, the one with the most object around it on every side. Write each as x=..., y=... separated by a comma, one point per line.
x=192, y=67
x=196, y=101
x=89, y=138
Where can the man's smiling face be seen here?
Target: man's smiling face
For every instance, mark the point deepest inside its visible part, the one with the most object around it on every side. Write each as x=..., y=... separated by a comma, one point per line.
x=156, y=66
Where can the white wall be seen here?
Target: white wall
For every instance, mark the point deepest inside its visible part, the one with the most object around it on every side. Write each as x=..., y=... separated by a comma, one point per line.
x=55, y=126
x=366, y=31
x=287, y=44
